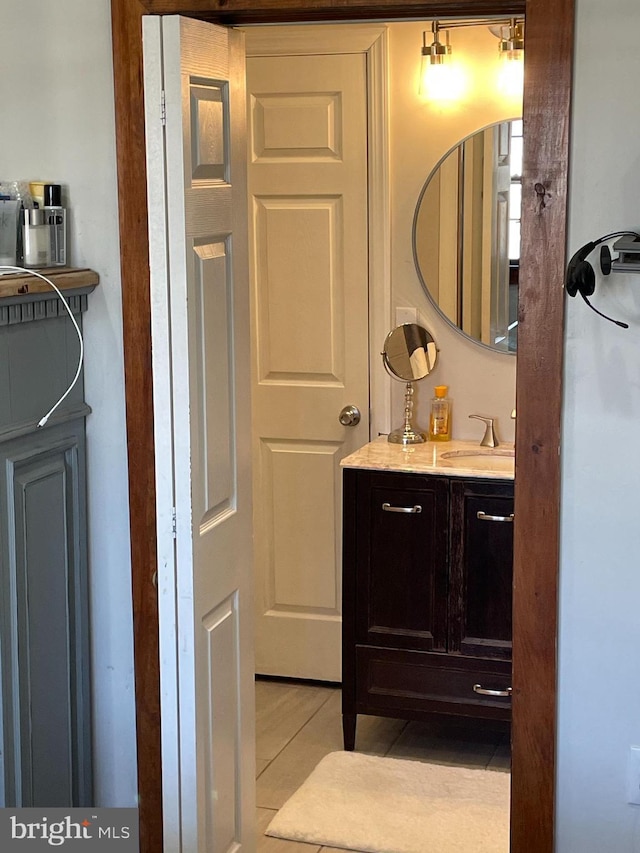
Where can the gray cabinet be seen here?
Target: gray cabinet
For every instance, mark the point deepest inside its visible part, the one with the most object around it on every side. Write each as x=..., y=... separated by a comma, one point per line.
x=45, y=727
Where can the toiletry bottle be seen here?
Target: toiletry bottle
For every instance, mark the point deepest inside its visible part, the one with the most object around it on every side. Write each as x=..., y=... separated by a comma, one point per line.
x=36, y=188
x=35, y=238
x=56, y=218
x=9, y=222
x=440, y=417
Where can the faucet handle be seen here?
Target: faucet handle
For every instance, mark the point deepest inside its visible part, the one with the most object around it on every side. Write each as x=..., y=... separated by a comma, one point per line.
x=489, y=438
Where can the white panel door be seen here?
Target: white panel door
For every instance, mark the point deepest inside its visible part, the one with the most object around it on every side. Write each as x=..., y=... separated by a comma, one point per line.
x=200, y=316
x=309, y=272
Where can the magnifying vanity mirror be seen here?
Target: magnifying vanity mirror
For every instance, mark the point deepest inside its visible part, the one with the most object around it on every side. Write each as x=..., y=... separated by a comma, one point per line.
x=409, y=354
x=466, y=235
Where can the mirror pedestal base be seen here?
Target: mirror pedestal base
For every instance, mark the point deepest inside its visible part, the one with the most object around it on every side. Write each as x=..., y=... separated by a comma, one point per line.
x=406, y=433
x=401, y=436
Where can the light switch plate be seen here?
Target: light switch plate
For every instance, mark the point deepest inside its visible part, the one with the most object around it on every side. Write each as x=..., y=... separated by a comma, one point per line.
x=633, y=775
x=406, y=315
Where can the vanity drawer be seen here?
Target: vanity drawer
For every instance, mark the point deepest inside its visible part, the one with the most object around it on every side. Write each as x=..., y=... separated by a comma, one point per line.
x=390, y=679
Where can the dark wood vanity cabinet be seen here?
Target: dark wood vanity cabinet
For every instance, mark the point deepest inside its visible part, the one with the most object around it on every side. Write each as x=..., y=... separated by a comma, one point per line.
x=401, y=532
x=427, y=585
x=480, y=568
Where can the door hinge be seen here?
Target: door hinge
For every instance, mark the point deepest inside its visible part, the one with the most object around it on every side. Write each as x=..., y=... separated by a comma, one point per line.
x=163, y=109
x=174, y=529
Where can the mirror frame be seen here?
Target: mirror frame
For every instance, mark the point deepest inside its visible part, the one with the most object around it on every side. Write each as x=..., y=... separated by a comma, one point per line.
x=386, y=358
x=414, y=249
x=547, y=113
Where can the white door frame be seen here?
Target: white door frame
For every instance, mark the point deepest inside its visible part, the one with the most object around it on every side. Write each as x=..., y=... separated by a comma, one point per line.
x=372, y=40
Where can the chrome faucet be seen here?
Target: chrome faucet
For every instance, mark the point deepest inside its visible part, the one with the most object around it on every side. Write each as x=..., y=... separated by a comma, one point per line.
x=489, y=438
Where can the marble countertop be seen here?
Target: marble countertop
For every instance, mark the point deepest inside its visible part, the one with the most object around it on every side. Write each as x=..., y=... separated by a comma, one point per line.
x=468, y=458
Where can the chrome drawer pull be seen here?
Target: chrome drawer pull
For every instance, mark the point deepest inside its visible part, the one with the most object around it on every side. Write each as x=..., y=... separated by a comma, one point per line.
x=388, y=508
x=484, y=517
x=485, y=691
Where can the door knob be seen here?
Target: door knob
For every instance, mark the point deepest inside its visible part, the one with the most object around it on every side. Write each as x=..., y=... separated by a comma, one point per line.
x=349, y=416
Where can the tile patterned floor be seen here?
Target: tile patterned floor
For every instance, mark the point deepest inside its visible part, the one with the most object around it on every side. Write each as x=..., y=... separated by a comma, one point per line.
x=298, y=724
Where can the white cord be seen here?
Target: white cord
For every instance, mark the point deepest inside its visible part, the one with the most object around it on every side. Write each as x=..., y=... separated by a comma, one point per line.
x=46, y=417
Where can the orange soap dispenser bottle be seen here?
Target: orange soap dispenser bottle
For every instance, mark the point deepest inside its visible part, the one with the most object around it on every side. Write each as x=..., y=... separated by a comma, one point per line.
x=440, y=417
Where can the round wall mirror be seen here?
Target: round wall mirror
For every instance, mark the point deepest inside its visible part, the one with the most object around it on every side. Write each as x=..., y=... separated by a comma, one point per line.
x=466, y=235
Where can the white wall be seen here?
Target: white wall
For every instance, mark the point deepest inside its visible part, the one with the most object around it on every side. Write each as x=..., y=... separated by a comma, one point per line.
x=421, y=132
x=600, y=578
x=56, y=93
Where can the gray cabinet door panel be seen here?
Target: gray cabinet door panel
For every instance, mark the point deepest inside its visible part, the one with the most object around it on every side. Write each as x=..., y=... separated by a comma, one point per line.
x=38, y=360
x=44, y=636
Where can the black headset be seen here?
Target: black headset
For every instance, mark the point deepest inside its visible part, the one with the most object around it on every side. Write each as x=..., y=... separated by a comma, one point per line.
x=581, y=277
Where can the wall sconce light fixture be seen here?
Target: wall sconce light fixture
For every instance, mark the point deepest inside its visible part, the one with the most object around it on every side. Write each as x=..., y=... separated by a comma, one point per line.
x=511, y=45
x=441, y=80
x=435, y=61
x=511, y=51
x=435, y=53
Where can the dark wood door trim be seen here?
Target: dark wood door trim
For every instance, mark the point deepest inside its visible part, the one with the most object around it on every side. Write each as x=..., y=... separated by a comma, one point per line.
x=287, y=11
x=549, y=53
x=549, y=34
x=136, y=310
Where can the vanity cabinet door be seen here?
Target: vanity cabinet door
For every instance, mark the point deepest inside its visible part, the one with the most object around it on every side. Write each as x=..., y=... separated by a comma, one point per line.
x=401, y=566
x=481, y=586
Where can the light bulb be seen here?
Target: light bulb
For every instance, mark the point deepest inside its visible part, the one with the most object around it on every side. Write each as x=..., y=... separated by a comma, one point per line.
x=511, y=77
x=441, y=81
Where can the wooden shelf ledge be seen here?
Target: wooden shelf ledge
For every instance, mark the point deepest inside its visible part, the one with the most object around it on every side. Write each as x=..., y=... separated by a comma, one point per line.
x=65, y=278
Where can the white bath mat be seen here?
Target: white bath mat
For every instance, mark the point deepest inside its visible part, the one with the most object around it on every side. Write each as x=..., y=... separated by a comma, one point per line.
x=389, y=805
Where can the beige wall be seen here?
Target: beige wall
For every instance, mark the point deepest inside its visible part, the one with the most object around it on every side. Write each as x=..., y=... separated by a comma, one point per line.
x=420, y=134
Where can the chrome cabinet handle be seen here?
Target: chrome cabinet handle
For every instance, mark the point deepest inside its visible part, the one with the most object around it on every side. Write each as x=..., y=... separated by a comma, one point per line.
x=484, y=517
x=349, y=416
x=486, y=691
x=388, y=508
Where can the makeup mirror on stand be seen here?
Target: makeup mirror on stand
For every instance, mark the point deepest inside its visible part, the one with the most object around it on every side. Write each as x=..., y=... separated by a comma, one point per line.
x=409, y=354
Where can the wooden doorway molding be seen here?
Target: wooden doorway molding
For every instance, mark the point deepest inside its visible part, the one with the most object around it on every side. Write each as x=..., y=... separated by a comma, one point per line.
x=549, y=55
